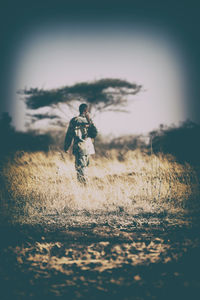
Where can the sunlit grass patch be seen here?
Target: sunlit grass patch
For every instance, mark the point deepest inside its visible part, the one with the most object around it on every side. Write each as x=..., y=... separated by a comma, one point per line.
x=40, y=184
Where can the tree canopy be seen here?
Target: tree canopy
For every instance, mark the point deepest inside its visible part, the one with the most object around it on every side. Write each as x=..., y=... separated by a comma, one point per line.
x=102, y=95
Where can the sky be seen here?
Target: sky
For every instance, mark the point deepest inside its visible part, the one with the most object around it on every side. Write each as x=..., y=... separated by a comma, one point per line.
x=62, y=45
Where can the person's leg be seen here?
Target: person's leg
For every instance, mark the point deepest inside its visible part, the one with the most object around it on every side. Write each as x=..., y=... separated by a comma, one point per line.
x=81, y=164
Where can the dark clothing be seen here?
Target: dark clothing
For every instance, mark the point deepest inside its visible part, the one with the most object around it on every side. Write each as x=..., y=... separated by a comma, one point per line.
x=81, y=163
x=82, y=145
x=77, y=131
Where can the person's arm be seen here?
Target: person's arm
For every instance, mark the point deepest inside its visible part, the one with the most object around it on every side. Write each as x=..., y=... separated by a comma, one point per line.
x=92, y=130
x=69, y=136
x=87, y=115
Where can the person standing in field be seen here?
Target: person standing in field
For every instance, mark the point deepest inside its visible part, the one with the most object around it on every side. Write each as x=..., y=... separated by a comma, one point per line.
x=81, y=131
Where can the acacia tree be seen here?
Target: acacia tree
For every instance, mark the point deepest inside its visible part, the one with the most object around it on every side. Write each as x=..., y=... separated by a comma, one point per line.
x=101, y=95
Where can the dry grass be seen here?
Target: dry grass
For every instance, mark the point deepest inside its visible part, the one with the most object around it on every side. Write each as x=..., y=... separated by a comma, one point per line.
x=43, y=184
x=116, y=233
x=99, y=256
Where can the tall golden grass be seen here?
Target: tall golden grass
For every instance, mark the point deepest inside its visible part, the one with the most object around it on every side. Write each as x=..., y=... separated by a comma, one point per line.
x=38, y=184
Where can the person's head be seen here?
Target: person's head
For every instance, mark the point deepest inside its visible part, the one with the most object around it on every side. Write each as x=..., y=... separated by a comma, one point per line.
x=83, y=108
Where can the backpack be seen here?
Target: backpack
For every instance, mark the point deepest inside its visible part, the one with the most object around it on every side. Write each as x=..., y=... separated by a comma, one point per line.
x=92, y=131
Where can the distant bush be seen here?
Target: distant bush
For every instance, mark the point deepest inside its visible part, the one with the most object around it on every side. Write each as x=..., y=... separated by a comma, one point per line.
x=183, y=142
x=12, y=141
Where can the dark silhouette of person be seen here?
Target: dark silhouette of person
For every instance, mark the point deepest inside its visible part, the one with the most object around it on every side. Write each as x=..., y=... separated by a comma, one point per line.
x=81, y=130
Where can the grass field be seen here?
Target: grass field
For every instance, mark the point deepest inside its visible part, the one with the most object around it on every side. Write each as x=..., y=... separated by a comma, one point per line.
x=39, y=184
x=129, y=234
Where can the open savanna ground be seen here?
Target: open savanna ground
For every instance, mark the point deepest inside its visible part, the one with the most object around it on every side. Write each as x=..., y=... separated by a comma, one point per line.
x=38, y=184
x=131, y=233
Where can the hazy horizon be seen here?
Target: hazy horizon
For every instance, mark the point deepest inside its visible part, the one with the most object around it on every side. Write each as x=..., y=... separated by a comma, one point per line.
x=57, y=54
